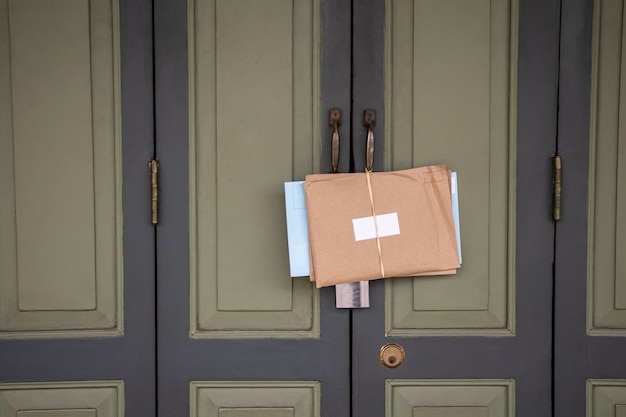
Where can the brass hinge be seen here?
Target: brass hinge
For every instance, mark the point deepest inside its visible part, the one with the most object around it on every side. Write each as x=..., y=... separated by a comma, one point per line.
x=154, y=184
x=556, y=214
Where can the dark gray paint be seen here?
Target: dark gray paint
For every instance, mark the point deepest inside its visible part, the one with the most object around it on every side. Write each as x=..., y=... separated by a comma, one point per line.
x=130, y=357
x=527, y=356
x=335, y=79
x=577, y=355
x=368, y=78
x=181, y=359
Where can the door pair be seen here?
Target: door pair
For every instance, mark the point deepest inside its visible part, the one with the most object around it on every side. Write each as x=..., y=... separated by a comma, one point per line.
x=241, y=94
x=531, y=325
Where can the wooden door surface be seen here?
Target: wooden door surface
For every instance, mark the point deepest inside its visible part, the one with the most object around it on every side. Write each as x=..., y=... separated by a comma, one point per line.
x=76, y=248
x=102, y=315
x=473, y=85
x=242, y=89
x=590, y=278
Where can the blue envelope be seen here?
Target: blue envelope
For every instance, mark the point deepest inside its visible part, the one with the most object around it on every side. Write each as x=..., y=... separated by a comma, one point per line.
x=454, y=188
x=298, y=229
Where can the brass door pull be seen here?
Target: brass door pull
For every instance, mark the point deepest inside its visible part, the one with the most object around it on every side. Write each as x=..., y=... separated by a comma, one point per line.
x=334, y=119
x=354, y=294
x=391, y=355
x=369, y=121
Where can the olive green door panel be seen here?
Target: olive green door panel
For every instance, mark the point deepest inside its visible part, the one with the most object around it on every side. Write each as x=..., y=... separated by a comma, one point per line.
x=254, y=107
x=451, y=97
x=62, y=399
x=59, y=413
x=607, y=175
x=450, y=398
x=606, y=397
x=60, y=156
x=255, y=399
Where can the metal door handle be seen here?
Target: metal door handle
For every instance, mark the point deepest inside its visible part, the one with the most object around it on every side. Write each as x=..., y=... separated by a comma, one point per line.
x=334, y=119
x=355, y=294
x=369, y=121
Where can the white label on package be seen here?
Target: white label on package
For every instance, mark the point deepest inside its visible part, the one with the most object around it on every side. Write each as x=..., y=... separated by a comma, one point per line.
x=364, y=228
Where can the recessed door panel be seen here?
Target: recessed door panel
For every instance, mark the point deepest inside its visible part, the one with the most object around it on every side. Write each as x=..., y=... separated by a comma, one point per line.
x=607, y=176
x=63, y=399
x=255, y=399
x=253, y=103
x=606, y=397
x=448, y=398
x=458, y=60
x=61, y=157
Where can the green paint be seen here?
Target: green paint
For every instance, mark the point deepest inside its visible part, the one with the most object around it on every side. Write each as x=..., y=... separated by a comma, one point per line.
x=451, y=412
x=57, y=413
x=60, y=152
x=255, y=399
x=62, y=399
x=606, y=263
x=253, y=110
x=466, y=64
x=256, y=412
x=54, y=195
x=606, y=397
x=450, y=397
x=253, y=130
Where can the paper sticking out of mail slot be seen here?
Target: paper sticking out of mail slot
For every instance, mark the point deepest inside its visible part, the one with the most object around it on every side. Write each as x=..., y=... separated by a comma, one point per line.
x=412, y=233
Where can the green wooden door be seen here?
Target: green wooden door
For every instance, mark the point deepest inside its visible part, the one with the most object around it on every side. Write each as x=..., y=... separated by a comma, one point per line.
x=590, y=279
x=241, y=89
x=533, y=323
x=76, y=249
x=470, y=84
x=102, y=315
x=473, y=85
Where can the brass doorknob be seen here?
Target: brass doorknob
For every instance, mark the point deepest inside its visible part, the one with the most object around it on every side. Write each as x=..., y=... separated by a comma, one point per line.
x=391, y=355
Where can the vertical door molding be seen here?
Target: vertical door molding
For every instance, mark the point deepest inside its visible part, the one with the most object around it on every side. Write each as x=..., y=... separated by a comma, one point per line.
x=606, y=259
x=61, y=269
x=253, y=124
x=451, y=98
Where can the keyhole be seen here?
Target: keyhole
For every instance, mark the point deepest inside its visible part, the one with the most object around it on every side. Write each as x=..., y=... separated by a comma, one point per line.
x=391, y=355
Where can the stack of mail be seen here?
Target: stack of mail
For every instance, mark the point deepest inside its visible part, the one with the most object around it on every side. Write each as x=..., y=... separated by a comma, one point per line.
x=374, y=225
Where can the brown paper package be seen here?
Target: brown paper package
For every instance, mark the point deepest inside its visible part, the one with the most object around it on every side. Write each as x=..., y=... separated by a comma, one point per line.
x=420, y=197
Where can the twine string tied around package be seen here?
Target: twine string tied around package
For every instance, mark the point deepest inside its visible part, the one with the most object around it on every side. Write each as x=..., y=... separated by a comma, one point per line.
x=380, y=253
